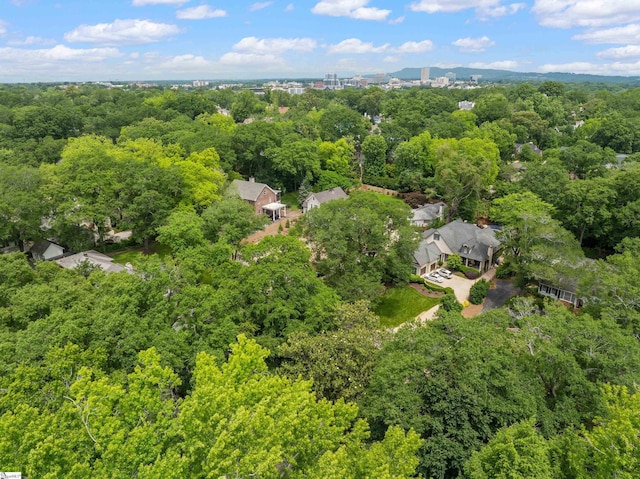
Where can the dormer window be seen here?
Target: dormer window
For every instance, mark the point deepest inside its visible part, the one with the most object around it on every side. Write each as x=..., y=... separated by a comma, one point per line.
x=436, y=236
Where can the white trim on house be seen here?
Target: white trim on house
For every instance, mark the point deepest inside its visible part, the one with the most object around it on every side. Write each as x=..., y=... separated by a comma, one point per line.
x=559, y=294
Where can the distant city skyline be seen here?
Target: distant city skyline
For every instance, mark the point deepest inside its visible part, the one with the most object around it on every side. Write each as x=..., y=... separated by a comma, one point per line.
x=128, y=40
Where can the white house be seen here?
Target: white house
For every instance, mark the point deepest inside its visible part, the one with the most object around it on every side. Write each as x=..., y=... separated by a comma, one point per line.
x=316, y=199
x=425, y=214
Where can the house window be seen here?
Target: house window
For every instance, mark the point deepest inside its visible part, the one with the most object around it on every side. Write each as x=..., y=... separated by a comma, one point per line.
x=436, y=236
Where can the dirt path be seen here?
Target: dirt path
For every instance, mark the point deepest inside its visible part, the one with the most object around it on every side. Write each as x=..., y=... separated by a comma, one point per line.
x=272, y=228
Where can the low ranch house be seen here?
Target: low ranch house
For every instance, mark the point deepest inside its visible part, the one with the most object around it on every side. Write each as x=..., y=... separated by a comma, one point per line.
x=477, y=246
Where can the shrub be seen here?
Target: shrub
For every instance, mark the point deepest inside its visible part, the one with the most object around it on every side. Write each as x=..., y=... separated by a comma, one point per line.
x=454, y=262
x=287, y=224
x=414, y=278
x=450, y=303
x=471, y=274
x=437, y=289
x=504, y=271
x=478, y=291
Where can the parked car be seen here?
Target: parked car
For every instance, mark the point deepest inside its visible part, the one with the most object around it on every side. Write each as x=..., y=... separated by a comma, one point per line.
x=436, y=278
x=445, y=273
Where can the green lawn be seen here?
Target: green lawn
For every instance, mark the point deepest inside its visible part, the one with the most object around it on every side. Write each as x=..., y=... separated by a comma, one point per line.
x=132, y=255
x=291, y=200
x=402, y=304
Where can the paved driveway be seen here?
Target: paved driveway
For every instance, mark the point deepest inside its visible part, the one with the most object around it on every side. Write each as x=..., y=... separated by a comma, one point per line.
x=497, y=296
x=462, y=286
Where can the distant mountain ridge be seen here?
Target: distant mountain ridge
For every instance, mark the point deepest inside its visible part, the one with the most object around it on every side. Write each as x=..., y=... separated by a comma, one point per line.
x=464, y=73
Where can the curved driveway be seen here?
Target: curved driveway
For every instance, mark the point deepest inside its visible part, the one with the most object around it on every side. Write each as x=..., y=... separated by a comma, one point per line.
x=461, y=285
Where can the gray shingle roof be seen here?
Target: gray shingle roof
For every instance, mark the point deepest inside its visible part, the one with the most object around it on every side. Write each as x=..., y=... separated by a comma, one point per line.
x=250, y=190
x=468, y=240
x=332, y=194
x=324, y=196
x=428, y=212
x=93, y=257
x=40, y=247
x=426, y=253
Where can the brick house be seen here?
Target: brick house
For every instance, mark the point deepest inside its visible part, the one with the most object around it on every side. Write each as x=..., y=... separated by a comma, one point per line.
x=262, y=197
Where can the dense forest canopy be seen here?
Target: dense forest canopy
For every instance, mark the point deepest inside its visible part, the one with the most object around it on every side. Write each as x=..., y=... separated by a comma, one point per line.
x=223, y=358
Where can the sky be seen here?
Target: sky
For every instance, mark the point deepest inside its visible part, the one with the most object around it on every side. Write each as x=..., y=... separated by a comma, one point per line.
x=135, y=40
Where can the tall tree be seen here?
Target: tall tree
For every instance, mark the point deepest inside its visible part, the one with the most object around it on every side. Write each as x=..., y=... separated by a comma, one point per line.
x=360, y=242
x=374, y=149
x=22, y=205
x=465, y=169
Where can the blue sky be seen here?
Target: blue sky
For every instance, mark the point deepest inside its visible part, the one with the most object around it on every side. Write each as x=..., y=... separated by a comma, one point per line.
x=48, y=40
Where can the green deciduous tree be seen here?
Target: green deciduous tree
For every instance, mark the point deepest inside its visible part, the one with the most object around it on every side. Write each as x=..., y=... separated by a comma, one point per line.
x=516, y=452
x=339, y=361
x=231, y=220
x=360, y=242
x=374, y=149
x=22, y=205
x=183, y=230
x=465, y=169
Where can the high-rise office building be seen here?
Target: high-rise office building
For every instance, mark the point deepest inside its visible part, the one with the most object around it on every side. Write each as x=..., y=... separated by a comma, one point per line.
x=424, y=75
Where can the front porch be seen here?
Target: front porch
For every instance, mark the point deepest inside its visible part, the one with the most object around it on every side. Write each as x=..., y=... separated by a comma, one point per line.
x=276, y=210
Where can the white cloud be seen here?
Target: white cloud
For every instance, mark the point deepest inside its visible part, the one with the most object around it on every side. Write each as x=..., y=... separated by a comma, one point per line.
x=585, y=13
x=251, y=59
x=395, y=21
x=3, y=28
x=500, y=10
x=274, y=45
x=415, y=47
x=356, y=9
x=265, y=52
x=199, y=13
x=483, y=8
x=59, y=53
x=630, y=51
x=142, y=3
x=499, y=65
x=122, y=32
x=31, y=40
x=474, y=44
x=616, y=68
x=289, y=8
x=355, y=45
x=627, y=34
x=182, y=63
x=259, y=6
x=390, y=59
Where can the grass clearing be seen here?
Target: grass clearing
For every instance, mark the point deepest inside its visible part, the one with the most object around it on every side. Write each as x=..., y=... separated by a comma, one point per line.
x=402, y=304
x=133, y=254
x=291, y=200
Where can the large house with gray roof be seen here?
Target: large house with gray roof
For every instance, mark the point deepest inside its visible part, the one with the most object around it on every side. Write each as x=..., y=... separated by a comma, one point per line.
x=477, y=246
x=261, y=196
